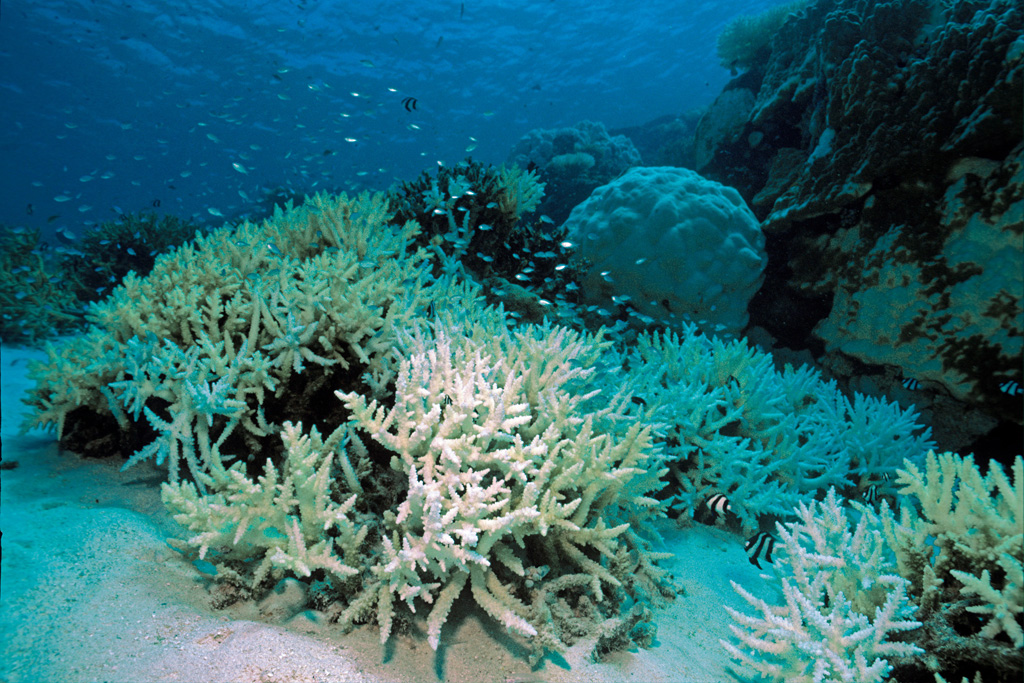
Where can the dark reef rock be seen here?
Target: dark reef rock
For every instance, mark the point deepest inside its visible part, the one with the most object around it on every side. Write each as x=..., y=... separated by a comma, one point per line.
x=881, y=145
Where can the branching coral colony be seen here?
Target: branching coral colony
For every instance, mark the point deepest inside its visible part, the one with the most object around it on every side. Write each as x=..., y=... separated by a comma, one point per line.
x=214, y=362
x=938, y=594
x=337, y=404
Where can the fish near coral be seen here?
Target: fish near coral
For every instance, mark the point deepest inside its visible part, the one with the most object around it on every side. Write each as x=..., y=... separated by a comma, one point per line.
x=711, y=510
x=760, y=547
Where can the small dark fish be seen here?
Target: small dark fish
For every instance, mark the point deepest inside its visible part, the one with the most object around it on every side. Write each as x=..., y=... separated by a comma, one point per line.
x=156, y=203
x=28, y=209
x=758, y=547
x=911, y=384
x=1011, y=388
x=409, y=103
x=439, y=41
x=462, y=10
x=446, y=400
x=871, y=494
x=637, y=400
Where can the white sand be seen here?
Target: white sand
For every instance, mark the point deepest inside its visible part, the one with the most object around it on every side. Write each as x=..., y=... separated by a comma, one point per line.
x=91, y=592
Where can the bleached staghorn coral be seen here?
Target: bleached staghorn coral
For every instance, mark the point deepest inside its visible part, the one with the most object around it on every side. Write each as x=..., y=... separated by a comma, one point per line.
x=956, y=552
x=843, y=602
x=733, y=424
x=961, y=544
x=511, y=454
x=223, y=330
x=291, y=520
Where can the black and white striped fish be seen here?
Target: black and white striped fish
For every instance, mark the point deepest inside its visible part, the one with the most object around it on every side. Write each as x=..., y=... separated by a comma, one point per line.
x=759, y=547
x=911, y=384
x=871, y=494
x=873, y=490
x=714, y=507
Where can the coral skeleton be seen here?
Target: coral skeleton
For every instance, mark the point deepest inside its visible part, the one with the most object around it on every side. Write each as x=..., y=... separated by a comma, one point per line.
x=843, y=602
x=509, y=453
x=938, y=591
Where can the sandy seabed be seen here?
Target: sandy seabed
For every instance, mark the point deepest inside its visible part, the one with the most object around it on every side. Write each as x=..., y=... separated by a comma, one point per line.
x=90, y=591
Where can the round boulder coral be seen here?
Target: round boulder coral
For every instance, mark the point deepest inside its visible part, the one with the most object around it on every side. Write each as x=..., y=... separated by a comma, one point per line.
x=670, y=244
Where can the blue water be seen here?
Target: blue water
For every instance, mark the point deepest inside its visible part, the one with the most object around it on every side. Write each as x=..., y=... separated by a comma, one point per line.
x=194, y=108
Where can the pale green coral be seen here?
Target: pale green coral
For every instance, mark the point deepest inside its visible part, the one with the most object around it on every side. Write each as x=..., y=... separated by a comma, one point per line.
x=963, y=545
x=463, y=454
x=525, y=466
x=843, y=602
x=522, y=190
x=1003, y=605
x=223, y=330
x=289, y=520
x=954, y=556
